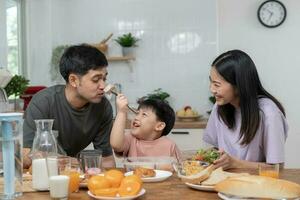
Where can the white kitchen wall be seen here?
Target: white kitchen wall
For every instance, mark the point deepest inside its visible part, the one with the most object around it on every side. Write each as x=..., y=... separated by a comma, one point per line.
x=178, y=43
x=179, y=40
x=39, y=41
x=275, y=52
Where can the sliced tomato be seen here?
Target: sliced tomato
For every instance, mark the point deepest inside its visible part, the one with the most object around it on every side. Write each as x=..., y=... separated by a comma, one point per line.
x=199, y=157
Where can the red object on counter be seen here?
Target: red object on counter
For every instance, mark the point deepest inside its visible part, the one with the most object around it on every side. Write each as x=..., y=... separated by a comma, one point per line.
x=28, y=94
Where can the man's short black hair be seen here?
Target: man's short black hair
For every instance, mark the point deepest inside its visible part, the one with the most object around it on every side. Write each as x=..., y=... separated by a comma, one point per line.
x=79, y=59
x=163, y=112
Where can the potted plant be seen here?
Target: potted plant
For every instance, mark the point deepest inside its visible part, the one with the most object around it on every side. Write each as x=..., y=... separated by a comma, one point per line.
x=212, y=100
x=16, y=86
x=57, y=52
x=127, y=41
x=156, y=94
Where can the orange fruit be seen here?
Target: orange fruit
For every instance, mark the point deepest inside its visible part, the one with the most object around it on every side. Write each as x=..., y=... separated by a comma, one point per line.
x=130, y=187
x=133, y=178
x=114, y=177
x=106, y=192
x=98, y=182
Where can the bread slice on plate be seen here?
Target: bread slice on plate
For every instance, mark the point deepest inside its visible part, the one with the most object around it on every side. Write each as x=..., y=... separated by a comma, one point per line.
x=199, y=177
x=219, y=175
x=259, y=187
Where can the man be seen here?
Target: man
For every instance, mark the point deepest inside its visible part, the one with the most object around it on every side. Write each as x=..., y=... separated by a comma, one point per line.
x=80, y=111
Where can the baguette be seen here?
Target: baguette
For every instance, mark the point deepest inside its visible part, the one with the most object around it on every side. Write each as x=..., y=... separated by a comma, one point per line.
x=199, y=177
x=259, y=187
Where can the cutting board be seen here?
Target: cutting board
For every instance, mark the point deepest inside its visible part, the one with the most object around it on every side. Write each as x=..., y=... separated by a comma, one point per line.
x=26, y=187
x=27, y=183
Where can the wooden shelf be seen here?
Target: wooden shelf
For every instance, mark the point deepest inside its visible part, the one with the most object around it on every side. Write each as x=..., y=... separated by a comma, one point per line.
x=120, y=58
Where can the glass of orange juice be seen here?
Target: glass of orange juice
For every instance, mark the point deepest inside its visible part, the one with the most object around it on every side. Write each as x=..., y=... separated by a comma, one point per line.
x=269, y=170
x=74, y=175
x=74, y=181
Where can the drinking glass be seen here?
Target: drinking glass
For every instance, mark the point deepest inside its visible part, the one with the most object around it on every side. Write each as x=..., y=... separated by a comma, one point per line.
x=269, y=170
x=74, y=176
x=91, y=161
x=58, y=168
x=165, y=163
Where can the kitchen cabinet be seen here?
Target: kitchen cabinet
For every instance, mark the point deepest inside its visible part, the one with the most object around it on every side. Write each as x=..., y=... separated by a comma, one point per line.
x=187, y=139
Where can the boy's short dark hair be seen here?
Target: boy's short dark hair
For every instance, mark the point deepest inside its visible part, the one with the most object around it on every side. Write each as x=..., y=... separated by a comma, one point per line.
x=163, y=112
x=79, y=59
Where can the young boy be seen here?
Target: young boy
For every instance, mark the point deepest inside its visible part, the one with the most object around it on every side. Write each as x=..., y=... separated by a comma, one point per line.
x=147, y=136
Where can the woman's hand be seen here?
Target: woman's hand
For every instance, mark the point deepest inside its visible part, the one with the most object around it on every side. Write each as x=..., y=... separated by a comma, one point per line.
x=225, y=161
x=228, y=162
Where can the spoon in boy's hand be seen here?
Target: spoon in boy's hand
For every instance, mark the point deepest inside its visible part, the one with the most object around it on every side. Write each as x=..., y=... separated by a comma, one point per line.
x=111, y=89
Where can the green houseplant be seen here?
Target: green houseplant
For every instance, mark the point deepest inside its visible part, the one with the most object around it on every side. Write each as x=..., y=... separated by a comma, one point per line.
x=212, y=100
x=156, y=94
x=127, y=42
x=16, y=86
x=55, y=59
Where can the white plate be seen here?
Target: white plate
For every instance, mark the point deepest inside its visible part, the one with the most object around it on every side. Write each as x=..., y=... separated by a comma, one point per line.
x=232, y=197
x=201, y=187
x=160, y=175
x=142, y=192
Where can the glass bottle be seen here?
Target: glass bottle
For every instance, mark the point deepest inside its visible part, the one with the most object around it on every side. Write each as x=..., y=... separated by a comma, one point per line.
x=44, y=144
x=60, y=149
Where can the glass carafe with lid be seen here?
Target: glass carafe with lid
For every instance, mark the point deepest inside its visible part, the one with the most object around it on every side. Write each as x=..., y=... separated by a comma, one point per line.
x=44, y=144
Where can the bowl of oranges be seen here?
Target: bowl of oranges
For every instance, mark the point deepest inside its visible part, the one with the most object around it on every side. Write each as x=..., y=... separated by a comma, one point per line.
x=114, y=185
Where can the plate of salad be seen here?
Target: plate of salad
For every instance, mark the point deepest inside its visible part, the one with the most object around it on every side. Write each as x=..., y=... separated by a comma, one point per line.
x=208, y=155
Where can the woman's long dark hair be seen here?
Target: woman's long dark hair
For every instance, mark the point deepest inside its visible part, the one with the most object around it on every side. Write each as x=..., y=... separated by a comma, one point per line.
x=237, y=68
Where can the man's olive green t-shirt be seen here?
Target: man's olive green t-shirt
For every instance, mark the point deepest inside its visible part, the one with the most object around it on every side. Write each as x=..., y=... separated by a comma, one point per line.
x=76, y=128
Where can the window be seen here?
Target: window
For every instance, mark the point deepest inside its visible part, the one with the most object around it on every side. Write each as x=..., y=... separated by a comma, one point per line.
x=13, y=36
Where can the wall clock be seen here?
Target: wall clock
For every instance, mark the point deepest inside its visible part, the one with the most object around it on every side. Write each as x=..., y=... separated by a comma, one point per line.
x=271, y=13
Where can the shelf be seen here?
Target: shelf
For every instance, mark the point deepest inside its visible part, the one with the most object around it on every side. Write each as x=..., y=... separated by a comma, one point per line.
x=120, y=58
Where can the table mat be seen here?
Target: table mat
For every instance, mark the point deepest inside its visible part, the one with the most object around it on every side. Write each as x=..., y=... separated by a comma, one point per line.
x=27, y=183
x=26, y=187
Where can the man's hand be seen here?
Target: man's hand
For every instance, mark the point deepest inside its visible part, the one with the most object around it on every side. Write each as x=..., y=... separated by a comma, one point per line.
x=26, y=159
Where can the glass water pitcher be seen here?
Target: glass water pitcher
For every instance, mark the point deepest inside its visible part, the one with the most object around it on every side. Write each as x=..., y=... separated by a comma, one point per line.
x=44, y=144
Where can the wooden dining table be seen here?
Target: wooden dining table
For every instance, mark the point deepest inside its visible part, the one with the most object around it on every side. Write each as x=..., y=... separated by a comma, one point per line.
x=172, y=188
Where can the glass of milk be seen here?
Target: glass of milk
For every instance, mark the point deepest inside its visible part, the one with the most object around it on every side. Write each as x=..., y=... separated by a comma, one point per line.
x=58, y=168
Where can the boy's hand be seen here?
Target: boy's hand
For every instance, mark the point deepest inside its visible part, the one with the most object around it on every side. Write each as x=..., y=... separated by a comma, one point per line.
x=122, y=103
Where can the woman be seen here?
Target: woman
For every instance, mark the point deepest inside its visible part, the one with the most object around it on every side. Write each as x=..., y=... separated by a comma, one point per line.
x=247, y=124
